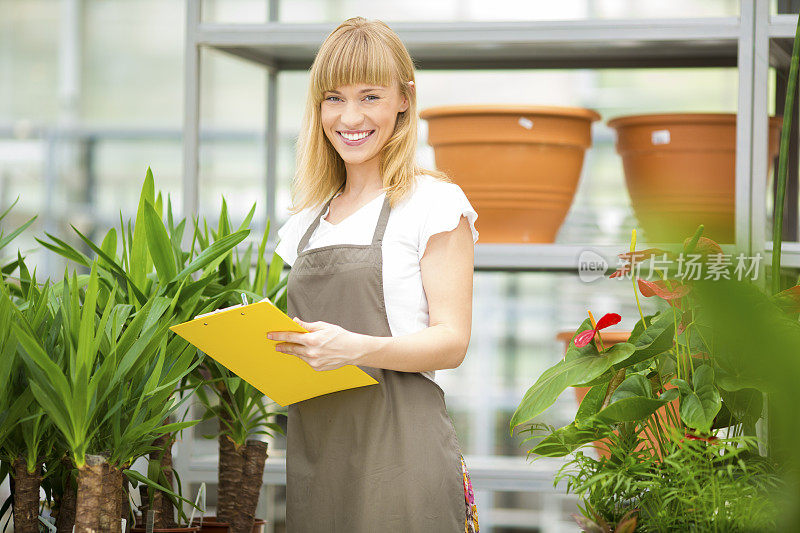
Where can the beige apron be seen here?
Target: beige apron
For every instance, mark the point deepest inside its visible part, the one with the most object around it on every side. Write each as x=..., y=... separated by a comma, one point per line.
x=380, y=458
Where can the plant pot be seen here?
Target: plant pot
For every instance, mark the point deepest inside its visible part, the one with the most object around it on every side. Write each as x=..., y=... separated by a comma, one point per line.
x=142, y=529
x=211, y=525
x=518, y=165
x=680, y=170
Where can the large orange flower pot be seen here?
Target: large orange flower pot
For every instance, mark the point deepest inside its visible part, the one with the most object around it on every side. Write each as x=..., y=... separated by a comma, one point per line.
x=680, y=170
x=518, y=165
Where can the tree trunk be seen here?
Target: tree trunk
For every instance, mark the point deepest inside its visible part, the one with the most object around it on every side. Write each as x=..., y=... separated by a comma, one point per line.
x=66, y=507
x=229, y=477
x=88, y=510
x=165, y=513
x=112, y=499
x=26, y=496
x=255, y=456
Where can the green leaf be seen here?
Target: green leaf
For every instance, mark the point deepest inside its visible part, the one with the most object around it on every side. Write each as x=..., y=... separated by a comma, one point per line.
x=580, y=368
x=140, y=260
x=591, y=403
x=634, y=385
x=159, y=245
x=633, y=408
x=700, y=400
x=656, y=339
x=566, y=440
x=215, y=252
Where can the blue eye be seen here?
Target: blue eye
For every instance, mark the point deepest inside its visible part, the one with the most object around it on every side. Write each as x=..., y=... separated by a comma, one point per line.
x=368, y=96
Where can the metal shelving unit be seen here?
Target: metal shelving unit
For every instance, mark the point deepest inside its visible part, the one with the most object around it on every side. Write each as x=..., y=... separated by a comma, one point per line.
x=753, y=42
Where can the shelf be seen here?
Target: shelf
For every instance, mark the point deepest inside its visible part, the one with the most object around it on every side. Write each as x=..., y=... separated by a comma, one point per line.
x=556, y=257
x=790, y=254
x=490, y=473
x=689, y=42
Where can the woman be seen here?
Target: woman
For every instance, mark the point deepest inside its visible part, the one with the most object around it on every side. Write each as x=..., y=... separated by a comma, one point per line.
x=382, y=263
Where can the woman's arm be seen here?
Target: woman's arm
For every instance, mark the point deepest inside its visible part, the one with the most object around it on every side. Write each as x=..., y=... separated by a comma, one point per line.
x=447, y=269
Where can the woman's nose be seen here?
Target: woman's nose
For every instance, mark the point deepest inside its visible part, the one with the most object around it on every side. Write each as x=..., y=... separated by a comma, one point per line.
x=352, y=115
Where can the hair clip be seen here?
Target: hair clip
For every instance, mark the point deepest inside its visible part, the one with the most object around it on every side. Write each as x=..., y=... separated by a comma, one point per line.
x=411, y=83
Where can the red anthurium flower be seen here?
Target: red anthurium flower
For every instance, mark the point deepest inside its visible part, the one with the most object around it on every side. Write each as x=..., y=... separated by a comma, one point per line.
x=609, y=319
x=789, y=300
x=636, y=257
x=705, y=246
x=659, y=288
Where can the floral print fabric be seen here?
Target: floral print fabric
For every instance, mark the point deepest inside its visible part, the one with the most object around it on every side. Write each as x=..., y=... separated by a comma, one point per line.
x=471, y=520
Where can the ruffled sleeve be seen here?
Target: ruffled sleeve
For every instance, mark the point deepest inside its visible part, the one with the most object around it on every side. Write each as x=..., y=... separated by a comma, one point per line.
x=289, y=239
x=444, y=213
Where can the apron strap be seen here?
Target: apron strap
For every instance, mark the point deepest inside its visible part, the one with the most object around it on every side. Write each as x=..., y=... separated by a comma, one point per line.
x=383, y=219
x=310, y=231
x=377, y=237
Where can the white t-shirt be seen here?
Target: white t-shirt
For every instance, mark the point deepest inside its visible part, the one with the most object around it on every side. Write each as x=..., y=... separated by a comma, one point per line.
x=432, y=207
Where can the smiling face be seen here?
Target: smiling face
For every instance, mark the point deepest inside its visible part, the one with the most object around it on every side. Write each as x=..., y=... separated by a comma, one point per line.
x=359, y=119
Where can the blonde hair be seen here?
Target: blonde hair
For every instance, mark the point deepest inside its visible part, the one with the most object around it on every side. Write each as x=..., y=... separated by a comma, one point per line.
x=357, y=51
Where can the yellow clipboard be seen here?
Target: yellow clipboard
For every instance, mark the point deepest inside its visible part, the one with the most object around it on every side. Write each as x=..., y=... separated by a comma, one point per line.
x=236, y=337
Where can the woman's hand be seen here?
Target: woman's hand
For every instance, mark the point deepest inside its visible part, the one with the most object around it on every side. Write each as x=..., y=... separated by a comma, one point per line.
x=325, y=347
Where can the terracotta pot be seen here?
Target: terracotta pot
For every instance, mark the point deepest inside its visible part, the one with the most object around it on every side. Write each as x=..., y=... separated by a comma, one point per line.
x=680, y=170
x=142, y=529
x=211, y=525
x=518, y=165
x=610, y=338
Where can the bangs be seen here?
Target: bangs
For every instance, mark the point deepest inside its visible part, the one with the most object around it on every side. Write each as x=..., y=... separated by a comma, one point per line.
x=352, y=58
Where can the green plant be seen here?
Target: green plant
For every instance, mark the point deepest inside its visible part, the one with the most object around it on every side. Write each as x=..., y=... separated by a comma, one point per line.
x=650, y=441
x=106, y=383
x=26, y=435
x=240, y=408
x=152, y=264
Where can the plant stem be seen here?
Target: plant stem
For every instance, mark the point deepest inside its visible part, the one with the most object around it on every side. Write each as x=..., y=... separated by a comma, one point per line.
x=777, y=219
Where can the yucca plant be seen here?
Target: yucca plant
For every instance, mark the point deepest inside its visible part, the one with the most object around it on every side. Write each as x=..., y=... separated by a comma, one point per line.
x=25, y=436
x=105, y=379
x=240, y=407
x=153, y=264
x=25, y=432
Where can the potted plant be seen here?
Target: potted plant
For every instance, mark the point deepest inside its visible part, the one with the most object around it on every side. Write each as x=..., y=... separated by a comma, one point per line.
x=240, y=408
x=113, y=324
x=105, y=386
x=25, y=433
x=518, y=165
x=674, y=472
x=680, y=170
x=153, y=265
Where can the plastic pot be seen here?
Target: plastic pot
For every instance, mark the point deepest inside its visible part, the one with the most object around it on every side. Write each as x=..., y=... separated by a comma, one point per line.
x=518, y=165
x=211, y=525
x=680, y=171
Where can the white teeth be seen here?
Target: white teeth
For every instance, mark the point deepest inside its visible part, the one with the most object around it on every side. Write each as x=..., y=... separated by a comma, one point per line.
x=355, y=137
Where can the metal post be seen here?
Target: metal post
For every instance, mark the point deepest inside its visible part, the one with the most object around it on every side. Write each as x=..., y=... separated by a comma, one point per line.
x=271, y=133
x=751, y=132
x=191, y=110
x=271, y=146
x=191, y=125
